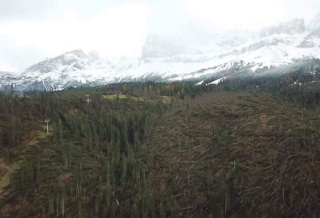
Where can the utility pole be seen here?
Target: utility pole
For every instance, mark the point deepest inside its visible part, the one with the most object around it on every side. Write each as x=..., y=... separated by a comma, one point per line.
x=88, y=99
x=47, y=121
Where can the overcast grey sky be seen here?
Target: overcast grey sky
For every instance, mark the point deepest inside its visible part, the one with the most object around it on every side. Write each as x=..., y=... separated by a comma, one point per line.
x=31, y=30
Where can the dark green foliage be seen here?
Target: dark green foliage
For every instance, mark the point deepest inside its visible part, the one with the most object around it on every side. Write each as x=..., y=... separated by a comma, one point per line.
x=202, y=154
x=85, y=167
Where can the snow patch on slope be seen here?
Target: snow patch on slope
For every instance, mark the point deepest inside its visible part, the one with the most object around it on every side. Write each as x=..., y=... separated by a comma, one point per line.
x=216, y=82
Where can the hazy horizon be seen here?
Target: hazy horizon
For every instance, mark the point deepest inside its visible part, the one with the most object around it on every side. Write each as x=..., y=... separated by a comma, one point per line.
x=32, y=30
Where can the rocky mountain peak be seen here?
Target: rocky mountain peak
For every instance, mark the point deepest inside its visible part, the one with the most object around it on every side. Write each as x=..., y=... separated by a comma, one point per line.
x=66, y=59
x=79, y=53
x=295, y=26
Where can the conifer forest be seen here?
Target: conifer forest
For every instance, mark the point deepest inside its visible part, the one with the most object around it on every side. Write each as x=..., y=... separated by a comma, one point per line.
x=247, y=147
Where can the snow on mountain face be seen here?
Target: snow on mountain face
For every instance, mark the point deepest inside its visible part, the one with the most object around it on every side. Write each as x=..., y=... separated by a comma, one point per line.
x=293, y=27
x=193, y=52
x=6, y=78
x=72, y=59
x=273, y=46
x=312, y=39
x=314, y=23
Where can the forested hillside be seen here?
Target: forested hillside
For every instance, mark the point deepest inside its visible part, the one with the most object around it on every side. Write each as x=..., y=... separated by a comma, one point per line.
x=238, y=149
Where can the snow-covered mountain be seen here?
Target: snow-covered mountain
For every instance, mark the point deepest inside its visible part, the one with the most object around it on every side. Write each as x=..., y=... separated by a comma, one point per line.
x=193, y=52
x=296, y=26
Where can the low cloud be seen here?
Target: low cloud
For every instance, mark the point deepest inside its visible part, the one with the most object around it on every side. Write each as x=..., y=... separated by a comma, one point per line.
x=31, y=30
x=117, y=31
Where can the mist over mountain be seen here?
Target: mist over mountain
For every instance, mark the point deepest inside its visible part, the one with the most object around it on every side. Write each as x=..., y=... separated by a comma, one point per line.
x=184, y=55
